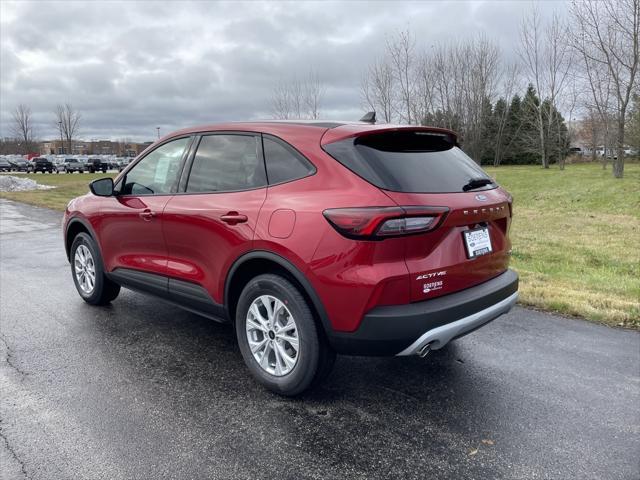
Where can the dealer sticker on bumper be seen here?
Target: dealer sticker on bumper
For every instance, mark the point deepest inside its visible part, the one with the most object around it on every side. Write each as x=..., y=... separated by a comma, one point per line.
x=477, y=242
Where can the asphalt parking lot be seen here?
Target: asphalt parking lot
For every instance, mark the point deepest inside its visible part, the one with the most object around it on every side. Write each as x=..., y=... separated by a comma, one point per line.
x=143, y=390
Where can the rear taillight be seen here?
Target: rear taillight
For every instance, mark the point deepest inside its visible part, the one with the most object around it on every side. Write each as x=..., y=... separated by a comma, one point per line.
x=377, y=223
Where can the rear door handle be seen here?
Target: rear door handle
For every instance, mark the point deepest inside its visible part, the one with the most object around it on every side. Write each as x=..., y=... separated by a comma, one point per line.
x=233, y=218
x=147, y=215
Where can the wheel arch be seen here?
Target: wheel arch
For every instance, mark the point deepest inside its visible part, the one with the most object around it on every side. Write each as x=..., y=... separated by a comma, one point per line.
x=74, y=227
x=257, y=262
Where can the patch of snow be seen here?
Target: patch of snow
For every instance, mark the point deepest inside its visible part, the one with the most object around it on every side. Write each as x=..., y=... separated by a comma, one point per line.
x=9, y=183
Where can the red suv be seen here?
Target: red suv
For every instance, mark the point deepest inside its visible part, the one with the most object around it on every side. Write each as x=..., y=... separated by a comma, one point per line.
x=314, y=238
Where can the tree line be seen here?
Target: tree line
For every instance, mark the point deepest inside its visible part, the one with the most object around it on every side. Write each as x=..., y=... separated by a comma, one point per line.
x=510, y=112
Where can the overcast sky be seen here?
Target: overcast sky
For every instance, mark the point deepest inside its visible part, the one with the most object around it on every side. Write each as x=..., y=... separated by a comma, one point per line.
x=129, y=67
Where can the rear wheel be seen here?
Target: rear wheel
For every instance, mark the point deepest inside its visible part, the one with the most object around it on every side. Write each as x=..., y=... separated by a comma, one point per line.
x=278, y=337
x=88, y=272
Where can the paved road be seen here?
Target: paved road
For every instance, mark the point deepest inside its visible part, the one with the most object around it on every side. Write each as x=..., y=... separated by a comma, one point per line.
x=144, y=390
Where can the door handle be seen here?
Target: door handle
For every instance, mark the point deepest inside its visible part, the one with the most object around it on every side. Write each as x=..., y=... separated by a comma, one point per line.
x=233, y=218
x=147, y=215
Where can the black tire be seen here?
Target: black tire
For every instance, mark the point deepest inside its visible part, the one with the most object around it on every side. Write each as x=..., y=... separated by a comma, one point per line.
x=104, y=290
x=315, y=358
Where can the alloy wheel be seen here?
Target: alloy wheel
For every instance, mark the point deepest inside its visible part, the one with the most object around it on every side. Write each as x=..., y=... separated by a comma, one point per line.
x=85, y=269
x=272, y=334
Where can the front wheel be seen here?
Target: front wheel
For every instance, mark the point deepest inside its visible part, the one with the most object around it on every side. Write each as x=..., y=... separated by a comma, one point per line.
x=278, y=337
x=88, y=272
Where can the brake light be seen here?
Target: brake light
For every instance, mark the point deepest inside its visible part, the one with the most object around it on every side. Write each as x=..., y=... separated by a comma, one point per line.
x=377, y=223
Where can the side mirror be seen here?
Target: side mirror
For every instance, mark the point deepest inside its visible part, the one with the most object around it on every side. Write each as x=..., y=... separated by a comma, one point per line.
x=102, y=187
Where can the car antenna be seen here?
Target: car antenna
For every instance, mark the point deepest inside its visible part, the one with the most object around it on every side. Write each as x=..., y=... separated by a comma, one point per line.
x=369, y=117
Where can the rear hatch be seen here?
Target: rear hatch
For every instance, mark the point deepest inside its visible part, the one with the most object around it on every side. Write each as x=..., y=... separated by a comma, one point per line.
x=421, y=167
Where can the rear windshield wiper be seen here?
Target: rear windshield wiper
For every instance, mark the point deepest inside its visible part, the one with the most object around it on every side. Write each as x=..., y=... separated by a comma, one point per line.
x=476, y=183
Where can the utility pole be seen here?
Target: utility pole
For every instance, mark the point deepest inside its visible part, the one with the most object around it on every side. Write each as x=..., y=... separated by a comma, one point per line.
x=158, y=129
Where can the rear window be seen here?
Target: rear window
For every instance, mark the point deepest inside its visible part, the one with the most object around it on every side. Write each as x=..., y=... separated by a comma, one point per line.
x=409, y=161
x=283, y=162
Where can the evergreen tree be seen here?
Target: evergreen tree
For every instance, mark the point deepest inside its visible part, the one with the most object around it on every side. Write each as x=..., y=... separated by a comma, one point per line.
x=633, y=125
x=512, y=150
x=529, y=137
x=497, y=130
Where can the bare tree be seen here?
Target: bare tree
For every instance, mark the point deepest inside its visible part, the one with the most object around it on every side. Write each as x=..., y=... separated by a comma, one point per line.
x=425, y=89
x=23, y=127
x=546, y=60
x=297, y=98
x=600, y=89
x=589, y=130
x=570, y=106
x=68, y=123
x=401, y=51
x=312, y=95
x=377, y=89
x=479, y=85
x=282, y=101
x=531, y=54
x=608, y=33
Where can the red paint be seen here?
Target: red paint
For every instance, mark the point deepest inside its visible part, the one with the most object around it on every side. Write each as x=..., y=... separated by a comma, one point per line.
x=198, y=237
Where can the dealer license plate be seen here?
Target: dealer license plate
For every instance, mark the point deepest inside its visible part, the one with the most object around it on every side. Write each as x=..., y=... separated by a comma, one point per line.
x=477, y=242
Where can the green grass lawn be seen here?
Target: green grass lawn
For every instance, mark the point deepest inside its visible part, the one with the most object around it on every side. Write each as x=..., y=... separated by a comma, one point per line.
x=576, y=240
x=575, y=233
x=69, y=185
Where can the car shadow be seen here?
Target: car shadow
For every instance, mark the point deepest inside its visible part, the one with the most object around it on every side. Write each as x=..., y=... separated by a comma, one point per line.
x=166, y=342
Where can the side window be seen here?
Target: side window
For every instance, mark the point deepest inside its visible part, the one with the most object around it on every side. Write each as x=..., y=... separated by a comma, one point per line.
x=157, y=172
x=226, y=163
x=284, y=163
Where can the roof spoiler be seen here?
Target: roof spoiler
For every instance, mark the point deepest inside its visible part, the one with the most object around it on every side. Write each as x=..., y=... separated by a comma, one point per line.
x=369, y=117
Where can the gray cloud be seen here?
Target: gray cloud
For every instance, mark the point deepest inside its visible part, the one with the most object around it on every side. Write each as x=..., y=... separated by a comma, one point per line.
x=129, y=67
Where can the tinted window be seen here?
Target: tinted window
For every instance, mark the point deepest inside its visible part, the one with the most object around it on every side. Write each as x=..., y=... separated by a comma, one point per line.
x=410, y=161
x=284, y=163
x=226, y=163
x=157, y=172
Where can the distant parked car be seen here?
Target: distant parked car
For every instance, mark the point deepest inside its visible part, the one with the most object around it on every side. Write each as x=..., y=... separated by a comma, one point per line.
x=124, y=163
x=73, y=165
x=95, y=165
x=5, y=166
x=575, y=151
x=58, y=165
x=43, y=165
x=21, y=166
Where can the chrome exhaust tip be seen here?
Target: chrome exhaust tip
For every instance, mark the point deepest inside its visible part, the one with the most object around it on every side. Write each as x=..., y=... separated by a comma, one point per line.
x=424, y=350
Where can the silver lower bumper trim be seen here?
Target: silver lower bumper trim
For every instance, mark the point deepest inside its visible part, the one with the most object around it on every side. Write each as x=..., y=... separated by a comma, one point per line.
x=440, y=336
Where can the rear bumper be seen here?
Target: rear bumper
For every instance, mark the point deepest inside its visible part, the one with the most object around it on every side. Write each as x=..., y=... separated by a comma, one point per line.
x=405, y=329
